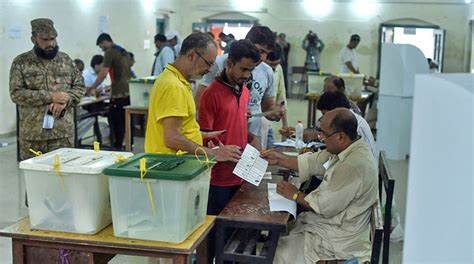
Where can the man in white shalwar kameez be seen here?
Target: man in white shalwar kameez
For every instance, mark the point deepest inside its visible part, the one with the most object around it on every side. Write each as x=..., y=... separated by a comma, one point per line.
x=337, y=225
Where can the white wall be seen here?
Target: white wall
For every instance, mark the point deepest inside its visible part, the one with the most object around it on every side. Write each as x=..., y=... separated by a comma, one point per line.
x=132, y=21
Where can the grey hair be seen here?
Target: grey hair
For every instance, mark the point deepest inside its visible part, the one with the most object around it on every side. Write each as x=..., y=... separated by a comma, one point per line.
x=198, y=41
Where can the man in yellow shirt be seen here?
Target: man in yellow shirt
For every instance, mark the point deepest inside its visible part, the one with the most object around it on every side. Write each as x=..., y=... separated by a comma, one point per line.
x=172, y=122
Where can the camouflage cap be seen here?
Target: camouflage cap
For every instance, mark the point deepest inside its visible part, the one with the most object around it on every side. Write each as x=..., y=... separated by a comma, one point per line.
x=43, y=27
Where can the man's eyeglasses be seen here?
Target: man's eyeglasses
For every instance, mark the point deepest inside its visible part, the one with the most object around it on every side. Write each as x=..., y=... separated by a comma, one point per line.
x=204, y=59
x=326, y=136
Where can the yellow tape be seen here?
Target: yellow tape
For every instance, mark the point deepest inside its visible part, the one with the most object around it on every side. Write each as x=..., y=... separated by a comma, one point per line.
x=120, y=158
x=181, y=152
x=58, y=172
x=143, y=172
x=96, y=146
x=37, y=153
x=206, y=160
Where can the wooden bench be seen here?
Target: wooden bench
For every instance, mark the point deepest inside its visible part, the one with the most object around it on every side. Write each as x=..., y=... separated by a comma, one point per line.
x=248, y=214
x=37, y=246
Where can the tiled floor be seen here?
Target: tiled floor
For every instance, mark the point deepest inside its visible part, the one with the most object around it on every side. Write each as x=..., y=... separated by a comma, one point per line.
x=12, y=189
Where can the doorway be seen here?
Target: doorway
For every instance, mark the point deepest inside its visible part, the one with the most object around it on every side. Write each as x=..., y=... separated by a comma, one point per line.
x=429, y=39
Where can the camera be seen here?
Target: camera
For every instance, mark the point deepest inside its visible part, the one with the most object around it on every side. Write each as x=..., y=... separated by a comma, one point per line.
x=312, y=37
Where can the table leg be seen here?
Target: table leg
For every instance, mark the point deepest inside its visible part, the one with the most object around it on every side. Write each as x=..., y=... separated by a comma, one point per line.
x=180, y=259
x=310, y=113
x=128, y=140
x=220, y=233
x=313, y=112
x=18, y=252
x=201, y=251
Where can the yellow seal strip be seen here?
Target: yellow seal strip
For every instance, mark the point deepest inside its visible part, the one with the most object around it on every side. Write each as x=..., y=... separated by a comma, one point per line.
x=143, y=172
x=96, y=146
x=37, y=153
x=58, y=172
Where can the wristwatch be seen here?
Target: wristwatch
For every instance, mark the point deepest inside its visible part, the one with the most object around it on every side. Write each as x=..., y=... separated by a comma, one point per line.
x=295, y=195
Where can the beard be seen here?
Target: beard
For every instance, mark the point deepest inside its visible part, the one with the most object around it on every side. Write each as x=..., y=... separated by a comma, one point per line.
x=47, y=54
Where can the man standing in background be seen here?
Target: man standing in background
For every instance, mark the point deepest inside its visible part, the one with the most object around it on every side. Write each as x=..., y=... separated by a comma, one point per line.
x=347, y=56
x=46, y=86
x=313, y=46
x=163, y=56
x=117, y=64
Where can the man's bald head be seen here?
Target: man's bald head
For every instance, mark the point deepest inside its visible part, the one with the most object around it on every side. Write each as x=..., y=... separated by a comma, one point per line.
x=343, y=120
x=334, y=84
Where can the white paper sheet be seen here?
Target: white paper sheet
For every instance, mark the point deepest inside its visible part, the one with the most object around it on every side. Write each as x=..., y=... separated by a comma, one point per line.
x=251, y=167
x=278, y=202
x=291, y=143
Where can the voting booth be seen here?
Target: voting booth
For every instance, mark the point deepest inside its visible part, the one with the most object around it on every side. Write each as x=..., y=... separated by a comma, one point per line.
x=67, y=190
x=159, y=197
x=140, y=89
x=399, y=65
x=439, y=224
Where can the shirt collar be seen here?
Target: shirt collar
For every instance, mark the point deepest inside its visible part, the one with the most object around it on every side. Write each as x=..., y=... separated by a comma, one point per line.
x=222, y=78
x=178, y=74
x=356, y=144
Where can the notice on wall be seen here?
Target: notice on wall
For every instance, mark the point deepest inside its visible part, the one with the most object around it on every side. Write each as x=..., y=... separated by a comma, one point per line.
x=14, y=32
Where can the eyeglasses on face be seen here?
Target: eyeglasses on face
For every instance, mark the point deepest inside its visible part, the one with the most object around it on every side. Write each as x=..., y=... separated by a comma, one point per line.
x=204, y=59
x=325, y=135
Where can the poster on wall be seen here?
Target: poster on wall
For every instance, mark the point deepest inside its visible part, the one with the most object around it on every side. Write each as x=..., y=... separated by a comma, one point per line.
x=103, y=24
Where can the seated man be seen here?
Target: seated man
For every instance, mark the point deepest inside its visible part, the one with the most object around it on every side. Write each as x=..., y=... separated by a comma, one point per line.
x=332, y=100
x=337, y=225
x=224, y=107
x=90, y=75
x=334, y=83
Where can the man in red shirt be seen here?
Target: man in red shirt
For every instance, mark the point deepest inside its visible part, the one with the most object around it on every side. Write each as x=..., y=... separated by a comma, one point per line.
x=223, y=106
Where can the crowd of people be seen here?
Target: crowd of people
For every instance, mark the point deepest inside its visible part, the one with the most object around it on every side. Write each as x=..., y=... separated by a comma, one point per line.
x=221, y=117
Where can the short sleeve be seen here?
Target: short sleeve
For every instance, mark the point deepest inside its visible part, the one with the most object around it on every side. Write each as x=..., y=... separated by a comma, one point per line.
x=270, y=90
x=108, y=57
x=171, y=102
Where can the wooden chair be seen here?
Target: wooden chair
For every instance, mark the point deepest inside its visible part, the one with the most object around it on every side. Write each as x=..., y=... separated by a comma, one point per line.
x=376, y=226
x=387, y=184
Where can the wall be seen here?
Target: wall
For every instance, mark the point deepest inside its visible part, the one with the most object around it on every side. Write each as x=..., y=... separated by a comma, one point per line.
x=133, y=21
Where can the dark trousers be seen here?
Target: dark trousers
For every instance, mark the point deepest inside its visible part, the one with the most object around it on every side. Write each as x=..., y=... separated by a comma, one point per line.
x=218, y=199
x=117, y=120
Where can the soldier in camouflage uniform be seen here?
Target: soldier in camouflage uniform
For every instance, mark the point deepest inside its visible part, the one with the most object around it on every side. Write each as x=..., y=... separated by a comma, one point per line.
x=44, y=80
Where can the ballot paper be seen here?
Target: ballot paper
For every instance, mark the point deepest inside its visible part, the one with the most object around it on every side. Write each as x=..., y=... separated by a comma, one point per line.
x=278, y=202
x=251, y=167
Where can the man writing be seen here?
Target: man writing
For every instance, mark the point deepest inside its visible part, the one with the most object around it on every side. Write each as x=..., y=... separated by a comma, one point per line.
x=172, y=122
x=336, y=225
x=46, y=86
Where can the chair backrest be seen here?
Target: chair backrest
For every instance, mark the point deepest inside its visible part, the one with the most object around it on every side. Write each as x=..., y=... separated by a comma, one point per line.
x=387, y=184
x=376, y=227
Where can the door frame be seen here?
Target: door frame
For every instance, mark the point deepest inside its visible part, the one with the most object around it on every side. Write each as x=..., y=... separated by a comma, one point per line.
x=382, y=25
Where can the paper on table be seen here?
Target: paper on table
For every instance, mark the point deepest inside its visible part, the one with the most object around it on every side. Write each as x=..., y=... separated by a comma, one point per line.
x=251, y=167
x=278, y=202
x=291, y=143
